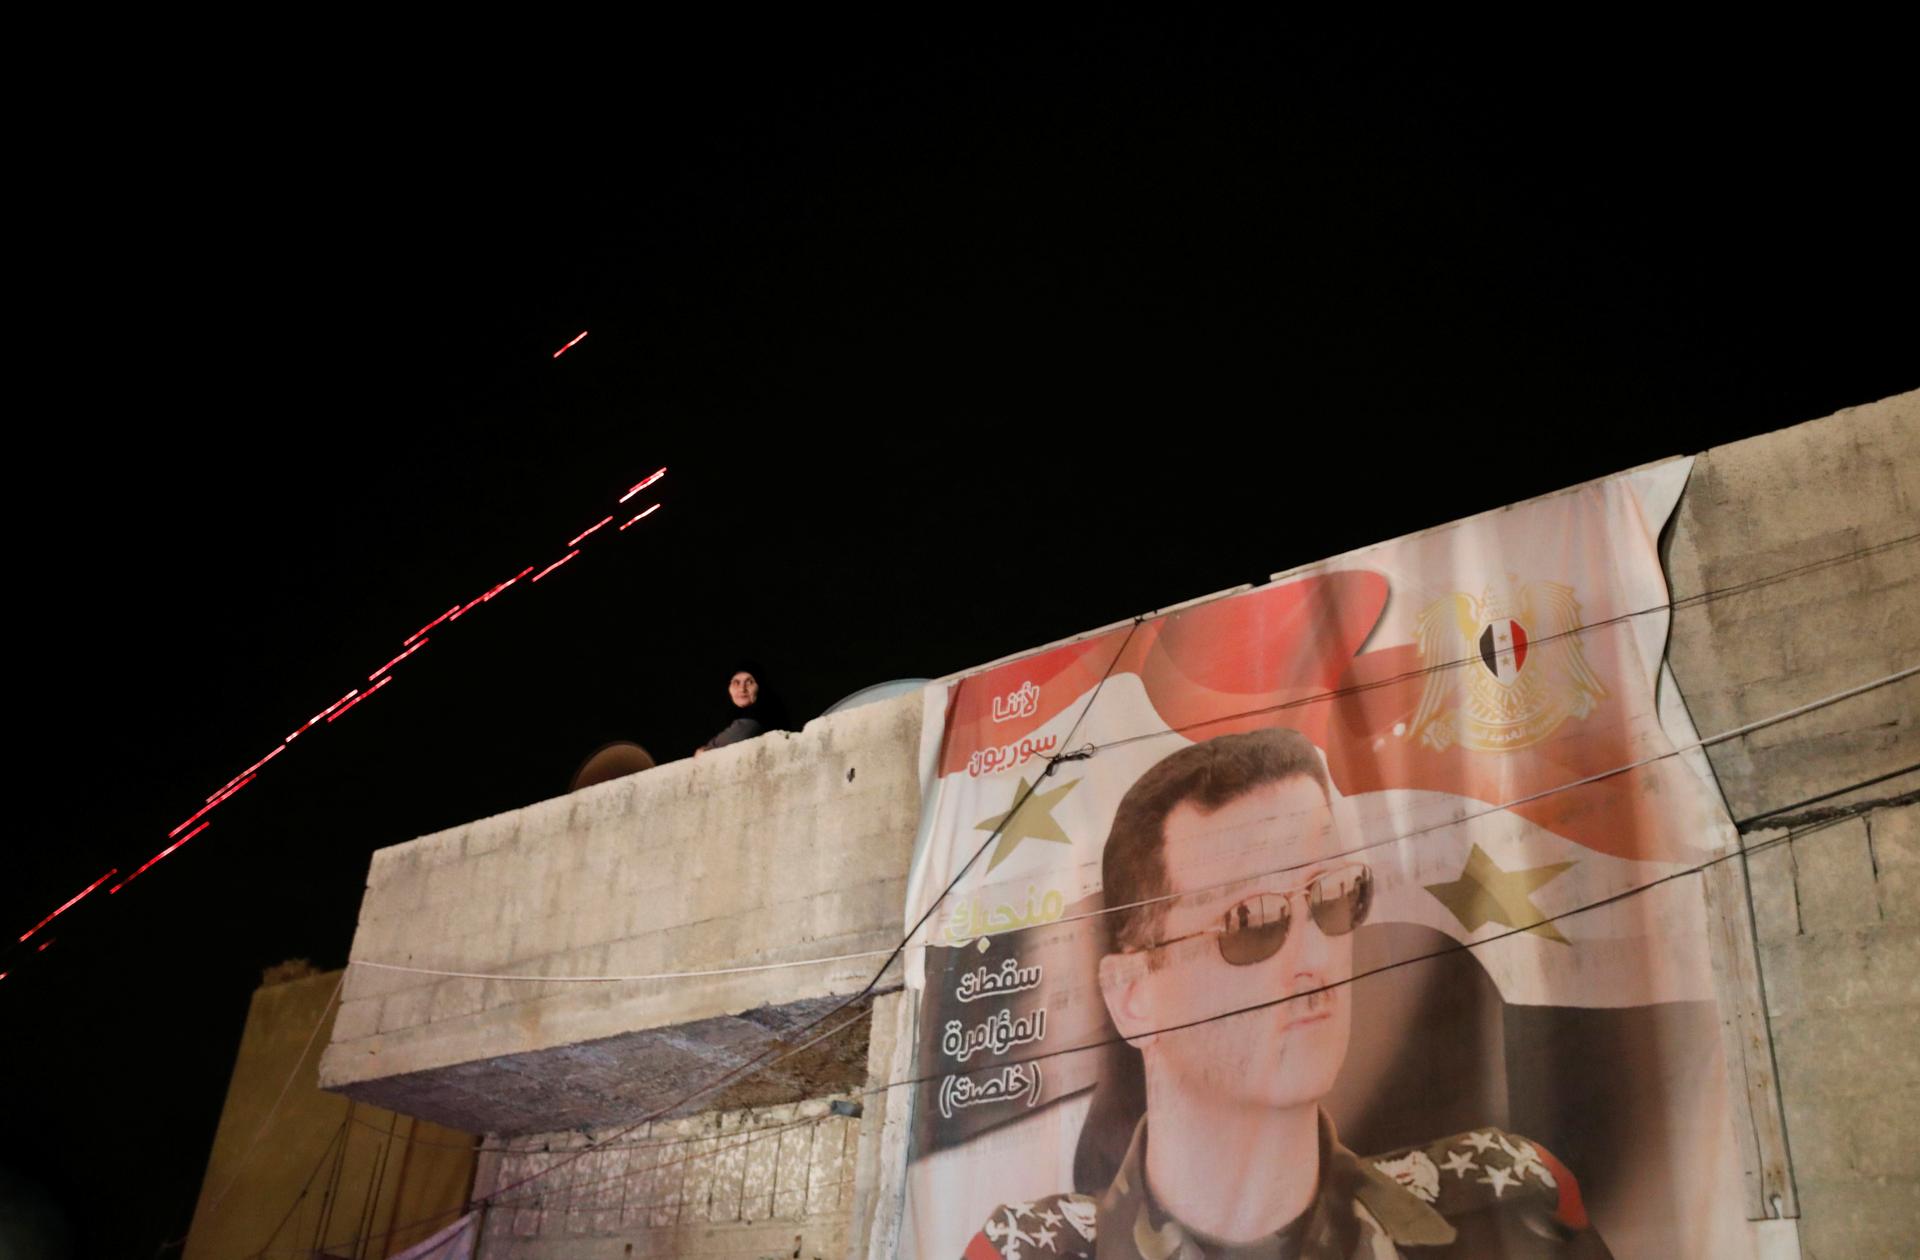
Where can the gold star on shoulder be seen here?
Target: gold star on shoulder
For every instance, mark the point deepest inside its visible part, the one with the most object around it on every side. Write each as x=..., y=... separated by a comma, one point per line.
x=1485, y=893
x=1032, y=820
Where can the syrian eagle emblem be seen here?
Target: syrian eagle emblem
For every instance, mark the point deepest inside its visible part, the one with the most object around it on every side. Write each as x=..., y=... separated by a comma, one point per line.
x=1504, y=670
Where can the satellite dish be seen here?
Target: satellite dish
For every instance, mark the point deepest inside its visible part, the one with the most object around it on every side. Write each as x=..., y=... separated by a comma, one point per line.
x=613, y=761
x=879, y=691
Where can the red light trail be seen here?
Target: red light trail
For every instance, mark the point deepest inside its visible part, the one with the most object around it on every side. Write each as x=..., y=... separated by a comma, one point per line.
x=431, y=624
x=509, y=582
x=570, y=345
x=575, y=540
x=339, y=708
x=156, y=857
x=556, y=564
x=229, y=791
x=475, y=600
x=69, y=903
x=316, y=717
x=395, y=661
x=213, y=800
x=357, y=699
x=643, y=485
x=203, y=809
x=249, y=770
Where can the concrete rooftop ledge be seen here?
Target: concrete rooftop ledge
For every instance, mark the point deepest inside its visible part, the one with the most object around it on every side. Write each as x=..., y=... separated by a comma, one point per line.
x=787, y=847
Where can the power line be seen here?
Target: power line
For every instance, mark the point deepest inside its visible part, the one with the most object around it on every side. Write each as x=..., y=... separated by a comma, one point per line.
x=481, y=1149
x=1688, y=601
x=1747, y=728
x=750, y=1065
x=868, y=988
x=691, y=1157
x=1698, y=598
x=1752, y=820
x=1053, y=762
x=1691, y=601
x=279, y=1098
x=755, y=1063
x=1738, y=851
x=491, y=1199
x=298, y=1199
x=1741, y=824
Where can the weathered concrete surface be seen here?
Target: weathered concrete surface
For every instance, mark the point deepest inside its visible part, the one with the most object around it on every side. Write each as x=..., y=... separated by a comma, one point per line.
x=774, y=1181
x=1836, y=911
x=771, y=850
x=1826, y=504
x=784, y=848
x=645, y=1072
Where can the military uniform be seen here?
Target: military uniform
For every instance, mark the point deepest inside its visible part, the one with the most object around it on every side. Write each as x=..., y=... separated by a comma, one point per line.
x=1479, y=1194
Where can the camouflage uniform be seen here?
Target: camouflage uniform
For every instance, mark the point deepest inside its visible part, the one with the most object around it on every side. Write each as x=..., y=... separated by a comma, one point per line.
x=1483, y=1193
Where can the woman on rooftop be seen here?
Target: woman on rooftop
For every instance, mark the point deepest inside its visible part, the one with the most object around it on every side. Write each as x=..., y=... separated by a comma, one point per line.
x=751, y=711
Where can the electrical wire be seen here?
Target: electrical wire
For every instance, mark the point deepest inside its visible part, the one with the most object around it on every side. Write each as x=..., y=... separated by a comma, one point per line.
x=1736, y=851
x=572, y=1157
x=482, y=1149
x=1691, y=601
x=1685, y=602
x=1753, y=820
x=690, y=1157
x=750, y=1065
x=305, y=1187
x=214, y=1204
x=1053, y=762
x=866, y=990
x=1747, y=728
x=537, y=1201
x=1739, y=851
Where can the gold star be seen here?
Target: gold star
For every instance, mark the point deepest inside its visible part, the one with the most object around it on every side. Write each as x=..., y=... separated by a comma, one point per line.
x=1033, y=820
x=1484, y=893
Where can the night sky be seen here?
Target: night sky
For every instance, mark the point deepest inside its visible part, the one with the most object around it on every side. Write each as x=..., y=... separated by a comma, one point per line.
x=953, y=347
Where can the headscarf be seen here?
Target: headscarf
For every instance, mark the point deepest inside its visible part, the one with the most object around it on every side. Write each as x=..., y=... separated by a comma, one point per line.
x=766, y=708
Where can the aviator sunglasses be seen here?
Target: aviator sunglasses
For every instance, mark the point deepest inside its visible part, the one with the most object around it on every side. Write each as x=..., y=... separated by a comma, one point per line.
x=1254, y=929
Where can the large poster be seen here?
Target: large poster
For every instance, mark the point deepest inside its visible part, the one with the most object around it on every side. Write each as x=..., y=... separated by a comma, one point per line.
x=1351, y=915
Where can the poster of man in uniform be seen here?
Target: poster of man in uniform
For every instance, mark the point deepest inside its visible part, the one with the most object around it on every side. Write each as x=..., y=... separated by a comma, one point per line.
x=1354, y=915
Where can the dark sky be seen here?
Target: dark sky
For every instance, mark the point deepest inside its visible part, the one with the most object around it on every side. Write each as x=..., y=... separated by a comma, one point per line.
x=953, y=347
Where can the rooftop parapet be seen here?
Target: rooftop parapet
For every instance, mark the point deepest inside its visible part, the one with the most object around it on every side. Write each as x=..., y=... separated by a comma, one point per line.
x=783, y=849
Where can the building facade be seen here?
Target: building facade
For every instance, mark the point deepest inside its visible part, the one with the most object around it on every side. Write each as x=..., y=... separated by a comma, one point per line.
x=670, y=1001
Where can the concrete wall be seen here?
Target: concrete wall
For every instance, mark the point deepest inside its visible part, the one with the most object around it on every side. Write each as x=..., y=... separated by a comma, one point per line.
x=797, y=846
x=787, y=847
x=397, y=1180
x=1835, y=912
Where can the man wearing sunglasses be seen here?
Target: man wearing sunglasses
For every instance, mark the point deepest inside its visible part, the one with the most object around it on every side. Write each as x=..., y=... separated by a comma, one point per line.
x=1231, y=955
